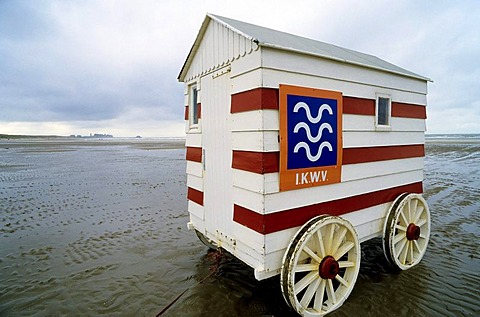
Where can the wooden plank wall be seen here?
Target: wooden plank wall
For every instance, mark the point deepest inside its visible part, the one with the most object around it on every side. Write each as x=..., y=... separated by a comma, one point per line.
x=377, y=165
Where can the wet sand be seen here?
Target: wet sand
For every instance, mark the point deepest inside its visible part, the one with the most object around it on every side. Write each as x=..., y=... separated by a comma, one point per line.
x=98, y=227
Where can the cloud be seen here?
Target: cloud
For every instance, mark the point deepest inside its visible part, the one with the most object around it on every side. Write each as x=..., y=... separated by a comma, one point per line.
x=90, y=64
x=85, y=61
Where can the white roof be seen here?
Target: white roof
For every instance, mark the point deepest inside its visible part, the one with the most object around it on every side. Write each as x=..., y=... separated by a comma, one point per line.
x=284, y=41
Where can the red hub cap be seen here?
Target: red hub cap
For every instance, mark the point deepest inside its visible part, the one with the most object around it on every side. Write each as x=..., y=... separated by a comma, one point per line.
x=413, y=232
x=328, y=268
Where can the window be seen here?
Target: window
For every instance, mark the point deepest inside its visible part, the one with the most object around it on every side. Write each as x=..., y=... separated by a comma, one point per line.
x=193, y=107
x=383, y=106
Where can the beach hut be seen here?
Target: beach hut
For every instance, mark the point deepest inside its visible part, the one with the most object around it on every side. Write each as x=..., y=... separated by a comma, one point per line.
x=297, y=151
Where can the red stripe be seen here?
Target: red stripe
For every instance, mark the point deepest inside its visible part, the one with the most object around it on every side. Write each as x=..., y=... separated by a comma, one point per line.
x=360, y=106
x=194, y=154
x=267, y=98
x=195, y=196
x=295, y=217
x=268, y=162
x=255, y=99
x=381, y=153
x=256, y=162
x=406, y=110
x=186, y=112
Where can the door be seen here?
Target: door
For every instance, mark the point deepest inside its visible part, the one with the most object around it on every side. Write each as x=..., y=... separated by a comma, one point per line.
x=217, y=146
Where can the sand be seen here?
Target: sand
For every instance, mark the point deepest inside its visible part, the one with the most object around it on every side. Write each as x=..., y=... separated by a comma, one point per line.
x=98, y=227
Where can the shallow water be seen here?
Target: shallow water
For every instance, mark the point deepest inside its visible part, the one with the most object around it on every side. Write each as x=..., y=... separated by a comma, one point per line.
x=99, y=228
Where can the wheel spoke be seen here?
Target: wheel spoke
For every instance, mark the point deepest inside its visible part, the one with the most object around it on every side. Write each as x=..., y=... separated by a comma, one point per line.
x=331, y=292
x=305, y=281
x=401, y=246
x=347, y=246
x=419, y=212
x=409, y=211
x=328, y=247
x=321, y=245
x=341, y=280
x=344, y=264
x=414, y=202
x=398, y=237
x=306, y=268
x=339, y=238
x=303, y=258
x=405, y=222
x=319, y=294
x=312, y=254
x=307, y=297
x=421, y=222
x=411, y=251
x=401, y=228
x=415, y=243
x=404, y=253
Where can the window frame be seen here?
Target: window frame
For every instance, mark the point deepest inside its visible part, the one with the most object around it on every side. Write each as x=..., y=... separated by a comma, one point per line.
x=193, y=109
x=388, y=125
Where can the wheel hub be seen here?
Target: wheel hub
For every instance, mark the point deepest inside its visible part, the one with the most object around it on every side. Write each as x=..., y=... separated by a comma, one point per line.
x=413, y=232
x=328, y=268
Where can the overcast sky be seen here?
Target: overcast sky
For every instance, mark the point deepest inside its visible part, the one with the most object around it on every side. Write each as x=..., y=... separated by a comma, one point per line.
x=80, y=67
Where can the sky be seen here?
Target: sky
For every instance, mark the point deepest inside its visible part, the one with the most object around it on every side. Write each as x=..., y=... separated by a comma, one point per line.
x=81, y=66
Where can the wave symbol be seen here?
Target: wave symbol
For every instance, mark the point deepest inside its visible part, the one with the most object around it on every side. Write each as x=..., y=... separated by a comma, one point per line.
x=310, y=157
x=316, y=119
x=309, y=133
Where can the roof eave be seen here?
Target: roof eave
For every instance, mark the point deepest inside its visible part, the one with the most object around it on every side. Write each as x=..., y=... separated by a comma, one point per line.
x=193, y=49
x=228, y=26
x=198, y=39
x=290, y=49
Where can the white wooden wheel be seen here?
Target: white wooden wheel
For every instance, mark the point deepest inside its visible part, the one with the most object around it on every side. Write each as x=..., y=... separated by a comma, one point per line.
x=320, y=266
x=406, y=231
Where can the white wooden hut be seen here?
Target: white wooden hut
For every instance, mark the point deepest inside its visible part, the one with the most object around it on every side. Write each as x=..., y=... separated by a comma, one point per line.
x=283, y=129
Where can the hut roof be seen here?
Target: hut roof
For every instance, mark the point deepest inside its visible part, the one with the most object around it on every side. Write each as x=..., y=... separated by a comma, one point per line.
x=266, y=37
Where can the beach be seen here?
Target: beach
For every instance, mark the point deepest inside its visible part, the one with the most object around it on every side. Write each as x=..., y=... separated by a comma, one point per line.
x=98, y=227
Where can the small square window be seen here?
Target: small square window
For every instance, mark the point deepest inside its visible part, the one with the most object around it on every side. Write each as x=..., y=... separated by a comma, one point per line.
x=383, y=105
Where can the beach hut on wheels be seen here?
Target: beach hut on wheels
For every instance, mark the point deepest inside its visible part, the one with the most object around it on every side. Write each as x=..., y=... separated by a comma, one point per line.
x=297, y=151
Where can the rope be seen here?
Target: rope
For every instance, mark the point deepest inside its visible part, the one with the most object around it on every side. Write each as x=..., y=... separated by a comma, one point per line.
x=213, y=269
x=173, y=302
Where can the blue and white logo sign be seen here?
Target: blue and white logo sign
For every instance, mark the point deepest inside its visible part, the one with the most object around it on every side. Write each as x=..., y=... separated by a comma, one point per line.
x=312, y=131
x=310, y=137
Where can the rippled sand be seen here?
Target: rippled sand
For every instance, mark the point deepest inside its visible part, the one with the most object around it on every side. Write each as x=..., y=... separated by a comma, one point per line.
x=98, y=227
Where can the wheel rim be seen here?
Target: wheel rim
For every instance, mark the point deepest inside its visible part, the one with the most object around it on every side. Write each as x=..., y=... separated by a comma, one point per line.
x=206, y=241
x=321, y=266
x=407, y=231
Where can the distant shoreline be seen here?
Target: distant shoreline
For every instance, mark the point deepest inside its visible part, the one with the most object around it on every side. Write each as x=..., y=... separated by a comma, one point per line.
x=22, y=136
x=461, y=138
x=25, y=136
